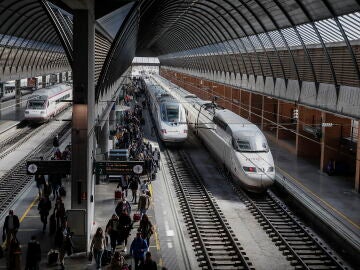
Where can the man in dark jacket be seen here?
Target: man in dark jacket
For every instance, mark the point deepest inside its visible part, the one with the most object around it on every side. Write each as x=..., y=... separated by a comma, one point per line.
x=137, y=250
x=33, y=256
x=11, y=226
x=44, y=209
x=149, y=264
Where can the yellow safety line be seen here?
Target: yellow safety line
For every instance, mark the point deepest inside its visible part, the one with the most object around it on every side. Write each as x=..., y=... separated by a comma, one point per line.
x=322, y=200
x=25, y=214
x=28, y=209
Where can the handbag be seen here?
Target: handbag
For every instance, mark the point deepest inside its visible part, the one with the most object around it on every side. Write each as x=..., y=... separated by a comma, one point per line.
x=90, y=256
x=136, y=217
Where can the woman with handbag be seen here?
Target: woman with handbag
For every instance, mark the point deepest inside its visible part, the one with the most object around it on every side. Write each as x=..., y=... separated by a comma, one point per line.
x=97, y=246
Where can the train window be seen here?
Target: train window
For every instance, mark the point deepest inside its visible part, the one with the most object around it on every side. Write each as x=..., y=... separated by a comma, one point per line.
x=250, y=141
x=36, y=104
x=172, y=112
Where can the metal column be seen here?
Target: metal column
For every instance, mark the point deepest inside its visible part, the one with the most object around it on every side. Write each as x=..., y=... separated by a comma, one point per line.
x=60, y=77
x=17, y=93
x=83, y=120
x=104, y=138
x=43, y=81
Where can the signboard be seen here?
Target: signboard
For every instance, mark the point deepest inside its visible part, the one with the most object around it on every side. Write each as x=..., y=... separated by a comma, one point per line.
x=110, y=167
x=48, y=167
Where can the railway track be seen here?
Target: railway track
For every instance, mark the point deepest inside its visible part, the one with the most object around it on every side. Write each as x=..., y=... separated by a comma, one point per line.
x=12, y=143
x=13, y=182
x=298, y=243
x=213, y=240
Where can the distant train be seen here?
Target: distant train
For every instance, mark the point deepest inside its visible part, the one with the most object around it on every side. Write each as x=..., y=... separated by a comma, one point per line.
x=45, y=103
x=7, y=92
x=236, y=142
x=168, y=113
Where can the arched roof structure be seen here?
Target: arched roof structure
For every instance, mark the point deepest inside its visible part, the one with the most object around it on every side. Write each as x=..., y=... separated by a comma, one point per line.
x=301, y=50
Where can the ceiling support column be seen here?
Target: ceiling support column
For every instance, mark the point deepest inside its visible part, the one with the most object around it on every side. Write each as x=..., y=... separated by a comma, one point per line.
x=83, y=121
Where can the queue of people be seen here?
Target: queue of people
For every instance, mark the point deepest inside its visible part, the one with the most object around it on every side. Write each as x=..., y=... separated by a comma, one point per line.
x=121, y=223
x=119, y=226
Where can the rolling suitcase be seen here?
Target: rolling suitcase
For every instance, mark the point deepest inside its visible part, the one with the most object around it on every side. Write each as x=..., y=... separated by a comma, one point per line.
x=136, y=217
x=118, y=195
x=106, y=257
x=52, y=257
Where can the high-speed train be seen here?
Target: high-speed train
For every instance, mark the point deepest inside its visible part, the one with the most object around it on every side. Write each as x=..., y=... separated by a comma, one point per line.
x=168, y=113
x=236, y=142
x=47, y=102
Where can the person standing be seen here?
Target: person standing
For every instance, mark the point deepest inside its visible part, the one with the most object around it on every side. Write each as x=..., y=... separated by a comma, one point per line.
x=56, y=143
x=97, y=246
x=134, y=185
x=144, y=203
x=149, y=264
x=137, y=250
x=44, y=207
x=156, y=158
x=11, y=226
x=33, y=255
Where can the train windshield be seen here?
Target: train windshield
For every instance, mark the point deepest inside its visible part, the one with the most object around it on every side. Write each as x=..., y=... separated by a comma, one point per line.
x=36, y=104
x=250, y=142
x=170, y=113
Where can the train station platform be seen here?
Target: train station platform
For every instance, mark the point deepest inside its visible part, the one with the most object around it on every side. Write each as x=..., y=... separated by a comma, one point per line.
x=331, y=199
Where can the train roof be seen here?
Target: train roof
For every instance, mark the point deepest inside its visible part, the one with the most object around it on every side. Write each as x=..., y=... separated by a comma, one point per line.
x=51, y=91
x=234, y=121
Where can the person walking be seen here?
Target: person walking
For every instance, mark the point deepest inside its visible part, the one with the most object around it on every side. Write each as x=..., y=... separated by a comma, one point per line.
x=149, y=264
x=97, y=246
x=63, y=242
x=33, y=255
x=144, y=203
x=40, y=182
x=11, y=227
x=124, y=228
x=146, y=228
x=137, y=250
x=112, y=231
x=44, y=207
x=59, y=211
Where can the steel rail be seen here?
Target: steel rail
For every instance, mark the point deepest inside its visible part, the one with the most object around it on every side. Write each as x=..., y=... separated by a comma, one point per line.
x=213, y=239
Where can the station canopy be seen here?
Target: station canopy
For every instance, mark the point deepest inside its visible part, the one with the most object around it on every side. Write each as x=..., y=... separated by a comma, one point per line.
x=303, y=40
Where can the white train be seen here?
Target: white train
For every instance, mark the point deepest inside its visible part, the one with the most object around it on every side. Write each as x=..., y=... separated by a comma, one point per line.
x=7, y=92
x=168, y=113
x=47, y=102
x=236, y=142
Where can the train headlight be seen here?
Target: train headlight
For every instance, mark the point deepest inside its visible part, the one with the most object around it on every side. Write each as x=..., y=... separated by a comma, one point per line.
x=270, y=169
x=163, y=131
x=249, y=169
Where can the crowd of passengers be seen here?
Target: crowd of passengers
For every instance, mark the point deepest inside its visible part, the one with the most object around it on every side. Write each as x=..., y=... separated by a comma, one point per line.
x=51, y=192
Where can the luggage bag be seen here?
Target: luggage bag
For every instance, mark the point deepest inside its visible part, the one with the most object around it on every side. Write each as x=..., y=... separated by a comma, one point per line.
x=118, y=195
x=52, y=257
x=136, y=217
